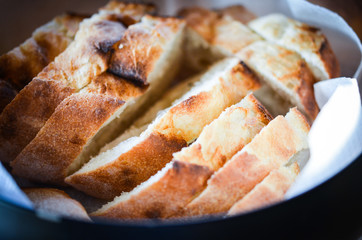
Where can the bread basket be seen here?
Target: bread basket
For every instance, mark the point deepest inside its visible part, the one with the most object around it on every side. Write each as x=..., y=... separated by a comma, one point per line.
x=330, y=210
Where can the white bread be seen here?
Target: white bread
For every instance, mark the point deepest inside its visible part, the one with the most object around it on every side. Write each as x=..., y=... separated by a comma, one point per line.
x=87, y=120
x=269, y=191
x=85, y=58
x=213, y=35
x=167, y=192
x=306, y=40
x=134, y=160
x=237, y=12
x=270, y=149
x=226, y=135
x=141, y=123
x=284, y=71
x=56, y=202
x=164, y=193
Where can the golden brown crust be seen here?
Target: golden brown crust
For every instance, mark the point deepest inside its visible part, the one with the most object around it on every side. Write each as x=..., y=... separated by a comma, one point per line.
x=330, y=60
x=73, y=118
x=178, y=126
x=239, y=173
x=26, y=114
x=167, y=192
x=54, y=39
x=271, y=190
x=305, y=92
x=188, y=118
x=23, y=63
x=219, y=28
x=85, y=58
x=56, y=201
x=48, y=156
x=128, y=13
x=132, y=167
x=110, y=85
x=285, y=71
x=178, y=185
x=269, y=150
x=201, y=20
x=306, y=40
x=141, y=45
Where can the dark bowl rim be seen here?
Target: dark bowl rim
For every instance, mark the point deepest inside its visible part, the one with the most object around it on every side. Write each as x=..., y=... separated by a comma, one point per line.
x=158, y=224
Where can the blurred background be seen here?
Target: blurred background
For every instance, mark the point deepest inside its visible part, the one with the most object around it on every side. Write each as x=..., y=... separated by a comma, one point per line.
x=37, y=12
x=350, y=10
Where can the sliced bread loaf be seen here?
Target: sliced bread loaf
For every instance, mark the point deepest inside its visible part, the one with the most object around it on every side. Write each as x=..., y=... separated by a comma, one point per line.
x=306, y=40
x=86, y=58
x=167, y=192
x=284, y=71
x=134, y=160
x=94, y=116
x=270, y=149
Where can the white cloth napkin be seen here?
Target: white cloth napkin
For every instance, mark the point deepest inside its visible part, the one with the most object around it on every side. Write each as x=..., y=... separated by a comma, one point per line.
x=10, y=192
x=335, y=138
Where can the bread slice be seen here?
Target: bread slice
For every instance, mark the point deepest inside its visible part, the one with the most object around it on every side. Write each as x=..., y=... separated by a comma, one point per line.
x=134, y=160
x=163, y=194
x=167, y=192
x=165, y=102
x=86, y=57
x=20, y=65
x=24, y=62
x=284, y=71
x=94, y=116
x=237, y=12
x=306, y=40
x=141, y=124
x=226, y=135
x=271, y=148
x=269, y=191
x=213, y=35
x=57, y=202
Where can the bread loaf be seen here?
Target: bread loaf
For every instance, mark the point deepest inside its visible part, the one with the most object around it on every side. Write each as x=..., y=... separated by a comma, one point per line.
x=24, y=62
x=270, y=149
x=86, y=58
x=102, y=118
x=167, y=192
x=20, y=65
x=89, y=119
x=284, y=71
x=134, y=160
